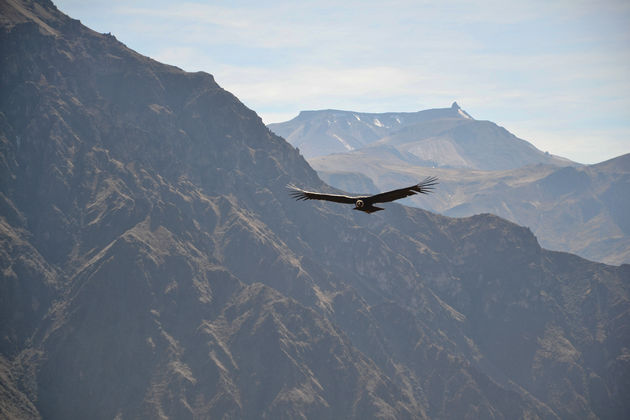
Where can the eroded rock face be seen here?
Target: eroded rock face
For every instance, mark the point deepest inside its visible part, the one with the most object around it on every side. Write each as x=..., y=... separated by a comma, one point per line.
x=154, y=266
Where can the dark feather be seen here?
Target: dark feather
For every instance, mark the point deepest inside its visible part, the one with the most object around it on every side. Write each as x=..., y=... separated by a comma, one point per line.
x=300, y=194
x=424, y=187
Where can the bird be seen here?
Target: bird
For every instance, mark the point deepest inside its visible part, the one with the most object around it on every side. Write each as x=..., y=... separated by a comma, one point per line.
x=365, y=203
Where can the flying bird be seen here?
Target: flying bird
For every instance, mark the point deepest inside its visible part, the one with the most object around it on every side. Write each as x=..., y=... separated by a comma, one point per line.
x=366, y=202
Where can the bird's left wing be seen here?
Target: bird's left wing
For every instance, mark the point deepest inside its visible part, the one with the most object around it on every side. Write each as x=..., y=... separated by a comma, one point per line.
x=300, y=194
x=424, y=187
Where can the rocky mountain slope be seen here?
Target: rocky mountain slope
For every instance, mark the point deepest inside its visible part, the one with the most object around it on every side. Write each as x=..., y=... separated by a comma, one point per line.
x=447, y=137
x=153, y=266
x=584, y=210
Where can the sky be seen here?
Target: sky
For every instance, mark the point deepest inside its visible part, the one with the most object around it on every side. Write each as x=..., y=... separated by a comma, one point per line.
x=553, y=72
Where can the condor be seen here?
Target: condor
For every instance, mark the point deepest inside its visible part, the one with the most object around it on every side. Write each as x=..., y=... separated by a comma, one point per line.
x=366, y=202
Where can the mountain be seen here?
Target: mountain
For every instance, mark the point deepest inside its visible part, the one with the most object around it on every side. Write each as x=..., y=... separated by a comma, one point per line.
x=583, y=210
x=154, y=266
x=447, y=137
x=483, y=168
x=574, y=209
x=318, y=133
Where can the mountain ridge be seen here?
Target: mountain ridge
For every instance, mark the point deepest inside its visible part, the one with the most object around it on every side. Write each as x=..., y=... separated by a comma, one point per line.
x=575, y=209
x=362, y=128
x=443, y=137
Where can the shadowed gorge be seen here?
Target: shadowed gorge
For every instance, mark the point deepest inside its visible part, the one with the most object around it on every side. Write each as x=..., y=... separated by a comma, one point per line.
x=154, y=266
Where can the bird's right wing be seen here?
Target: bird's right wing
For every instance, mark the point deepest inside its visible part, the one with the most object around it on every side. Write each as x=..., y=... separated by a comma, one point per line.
x=300, y=194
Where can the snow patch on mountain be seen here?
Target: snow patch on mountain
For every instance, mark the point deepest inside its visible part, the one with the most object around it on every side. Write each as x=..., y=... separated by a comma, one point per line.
x=463, y=114
x=343, y=142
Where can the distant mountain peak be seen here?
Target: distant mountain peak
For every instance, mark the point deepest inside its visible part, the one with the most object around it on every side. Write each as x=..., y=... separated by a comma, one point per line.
x=455, y=107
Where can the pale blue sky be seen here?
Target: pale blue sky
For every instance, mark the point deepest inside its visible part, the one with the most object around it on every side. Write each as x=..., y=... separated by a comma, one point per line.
x=556, y=73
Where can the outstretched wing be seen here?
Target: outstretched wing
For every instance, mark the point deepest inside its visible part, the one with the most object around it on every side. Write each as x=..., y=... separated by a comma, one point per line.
x=300, y=194
x=424, y=187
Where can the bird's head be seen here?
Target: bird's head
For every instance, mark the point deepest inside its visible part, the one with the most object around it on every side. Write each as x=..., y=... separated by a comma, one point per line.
x=359, y=204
